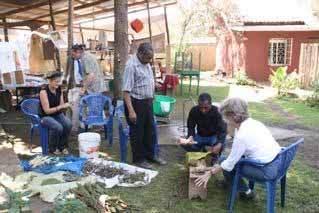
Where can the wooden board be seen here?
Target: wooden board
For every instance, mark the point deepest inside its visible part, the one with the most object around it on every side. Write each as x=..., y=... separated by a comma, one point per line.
x=7, y=78
x=193, y=190
x=308, y=64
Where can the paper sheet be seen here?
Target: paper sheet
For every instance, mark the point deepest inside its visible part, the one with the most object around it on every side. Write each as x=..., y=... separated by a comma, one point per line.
x=7, y=57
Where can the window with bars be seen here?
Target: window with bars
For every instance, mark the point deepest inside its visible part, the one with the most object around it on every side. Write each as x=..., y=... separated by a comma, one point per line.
x=279, y=52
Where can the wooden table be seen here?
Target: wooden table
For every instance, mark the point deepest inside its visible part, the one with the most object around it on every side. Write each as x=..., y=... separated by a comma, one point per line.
x=170, y=82
x=32, y=89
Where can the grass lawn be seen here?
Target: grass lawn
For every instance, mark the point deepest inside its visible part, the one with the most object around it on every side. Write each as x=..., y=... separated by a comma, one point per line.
x=168, y=191
x=218, y=93
x=263, y=113
x=309, y=116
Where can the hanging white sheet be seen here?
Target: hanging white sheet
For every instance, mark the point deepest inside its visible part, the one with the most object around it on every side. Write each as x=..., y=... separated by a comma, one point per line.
x=7, y=60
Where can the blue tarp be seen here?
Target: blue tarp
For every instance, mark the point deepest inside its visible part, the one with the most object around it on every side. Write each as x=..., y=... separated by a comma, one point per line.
x=69, y=163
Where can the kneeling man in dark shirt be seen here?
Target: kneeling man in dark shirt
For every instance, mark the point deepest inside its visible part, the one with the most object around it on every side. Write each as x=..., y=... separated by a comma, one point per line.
x=211, y=130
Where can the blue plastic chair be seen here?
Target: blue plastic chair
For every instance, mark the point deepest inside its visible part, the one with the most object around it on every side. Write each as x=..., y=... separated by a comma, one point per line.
x=124, y=133
x=95, y=104
x=31, y=107
x=287, y=154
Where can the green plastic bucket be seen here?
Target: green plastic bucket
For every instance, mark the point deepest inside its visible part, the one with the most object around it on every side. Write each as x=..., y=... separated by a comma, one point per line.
x=163, y=105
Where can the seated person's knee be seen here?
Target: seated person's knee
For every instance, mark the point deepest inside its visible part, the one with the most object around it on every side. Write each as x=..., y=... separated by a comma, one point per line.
x=58, y=129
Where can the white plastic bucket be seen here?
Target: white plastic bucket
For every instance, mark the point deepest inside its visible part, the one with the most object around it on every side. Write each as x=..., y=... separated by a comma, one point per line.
x=89, y=144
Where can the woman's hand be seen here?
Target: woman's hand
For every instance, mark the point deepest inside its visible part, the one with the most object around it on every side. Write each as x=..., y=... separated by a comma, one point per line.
x=205, y=177
x=64, y=106
x=203, y=180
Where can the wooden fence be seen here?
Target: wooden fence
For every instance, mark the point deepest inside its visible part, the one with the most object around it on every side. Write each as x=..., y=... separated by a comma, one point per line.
x=309, y=64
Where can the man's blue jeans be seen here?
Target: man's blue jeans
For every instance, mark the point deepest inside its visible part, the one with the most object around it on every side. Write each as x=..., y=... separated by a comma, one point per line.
x=59, y=129
x=261, y=173
x=201, y=143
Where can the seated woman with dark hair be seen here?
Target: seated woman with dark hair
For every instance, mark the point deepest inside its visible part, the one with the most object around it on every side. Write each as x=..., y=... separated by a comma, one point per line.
x=52, y=105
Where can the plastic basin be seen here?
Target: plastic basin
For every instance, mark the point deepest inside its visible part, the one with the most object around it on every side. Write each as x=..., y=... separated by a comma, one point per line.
x=163, y=105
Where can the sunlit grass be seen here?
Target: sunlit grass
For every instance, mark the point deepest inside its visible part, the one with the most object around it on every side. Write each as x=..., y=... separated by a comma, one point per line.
x=308, y=116
x=218, y=93
x=264, y=113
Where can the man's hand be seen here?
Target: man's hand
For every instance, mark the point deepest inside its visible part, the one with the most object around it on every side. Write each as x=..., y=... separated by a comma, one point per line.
x=132, y=116
x=203, y=180
x=190, y=141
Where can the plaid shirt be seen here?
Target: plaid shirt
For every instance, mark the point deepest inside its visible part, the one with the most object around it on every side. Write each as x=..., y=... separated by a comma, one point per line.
x=138, y=79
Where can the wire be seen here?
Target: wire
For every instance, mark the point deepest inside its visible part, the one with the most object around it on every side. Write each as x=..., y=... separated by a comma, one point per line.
x=183, y=127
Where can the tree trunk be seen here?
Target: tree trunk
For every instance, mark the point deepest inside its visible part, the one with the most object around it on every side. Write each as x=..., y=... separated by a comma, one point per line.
x=120, y=44
x=71, y=82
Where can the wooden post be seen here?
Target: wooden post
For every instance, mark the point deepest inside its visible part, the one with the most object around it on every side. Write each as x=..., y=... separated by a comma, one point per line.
x=168, y=46
x=57, y=53
x=150, y=34
x=70, y=64
x=166, y=25
x=193, y=190
x=5, y=31
x=81, y=32
x=149, y=21
x=120, y=44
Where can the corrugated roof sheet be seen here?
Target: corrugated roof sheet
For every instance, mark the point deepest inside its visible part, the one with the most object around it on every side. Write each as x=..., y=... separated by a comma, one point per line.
x=276, y=28
x=272, y=19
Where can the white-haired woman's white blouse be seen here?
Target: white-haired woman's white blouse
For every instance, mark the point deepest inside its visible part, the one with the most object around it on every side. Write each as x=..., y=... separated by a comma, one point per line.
x=254, y=141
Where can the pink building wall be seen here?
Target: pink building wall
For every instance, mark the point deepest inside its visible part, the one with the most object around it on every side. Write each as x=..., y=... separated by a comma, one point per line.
x=250, y=52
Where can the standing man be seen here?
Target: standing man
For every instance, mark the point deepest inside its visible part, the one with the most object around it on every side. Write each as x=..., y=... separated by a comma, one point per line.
x=86, y=78
x=94, y=78
x=87, y=71
x=206, y=127
x=138, y=89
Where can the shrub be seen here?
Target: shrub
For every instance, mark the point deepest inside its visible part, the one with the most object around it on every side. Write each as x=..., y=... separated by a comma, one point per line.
x=313, y=101
x=242, y=79
x=283, y=81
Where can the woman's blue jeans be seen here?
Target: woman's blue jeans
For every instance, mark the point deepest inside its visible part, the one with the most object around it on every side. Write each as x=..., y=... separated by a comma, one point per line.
x=261, y=173
x=59, y=129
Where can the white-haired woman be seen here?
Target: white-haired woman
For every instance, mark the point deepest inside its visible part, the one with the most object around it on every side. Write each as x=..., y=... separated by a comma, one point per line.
x=252, y=140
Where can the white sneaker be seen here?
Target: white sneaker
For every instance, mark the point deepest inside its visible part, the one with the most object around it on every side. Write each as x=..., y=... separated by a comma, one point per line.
x=65, y=151
x=57, y=152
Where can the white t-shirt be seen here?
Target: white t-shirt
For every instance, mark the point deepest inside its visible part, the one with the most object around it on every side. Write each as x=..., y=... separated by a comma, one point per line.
x=254, y=141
